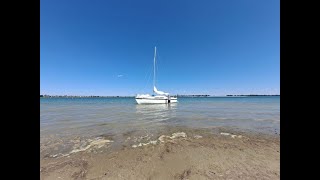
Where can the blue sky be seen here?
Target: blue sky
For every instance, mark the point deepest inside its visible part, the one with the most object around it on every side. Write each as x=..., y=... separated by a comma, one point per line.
x=216, y=47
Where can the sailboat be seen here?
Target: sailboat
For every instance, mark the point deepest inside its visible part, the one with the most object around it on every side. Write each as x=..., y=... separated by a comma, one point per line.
x=160, y=97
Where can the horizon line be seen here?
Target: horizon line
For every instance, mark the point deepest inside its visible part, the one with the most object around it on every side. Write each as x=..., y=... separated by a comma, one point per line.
x=174, y=94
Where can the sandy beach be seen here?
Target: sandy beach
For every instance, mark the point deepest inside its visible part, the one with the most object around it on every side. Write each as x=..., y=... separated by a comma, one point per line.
x=178, y=153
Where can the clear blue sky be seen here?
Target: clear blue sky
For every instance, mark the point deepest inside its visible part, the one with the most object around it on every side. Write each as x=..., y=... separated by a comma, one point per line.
x=105, y=47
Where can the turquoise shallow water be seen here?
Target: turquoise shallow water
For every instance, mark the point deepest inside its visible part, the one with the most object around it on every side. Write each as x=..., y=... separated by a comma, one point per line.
x=63, y=119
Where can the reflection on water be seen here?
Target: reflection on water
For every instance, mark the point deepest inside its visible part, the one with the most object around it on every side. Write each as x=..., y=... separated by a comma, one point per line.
x=150, y=113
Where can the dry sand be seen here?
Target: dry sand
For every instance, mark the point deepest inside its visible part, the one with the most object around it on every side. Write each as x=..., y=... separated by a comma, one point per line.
x=184, y=155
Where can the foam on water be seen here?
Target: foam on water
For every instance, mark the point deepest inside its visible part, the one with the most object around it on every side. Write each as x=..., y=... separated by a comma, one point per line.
x=232, y=135
x=162, y=139
x=95, y=144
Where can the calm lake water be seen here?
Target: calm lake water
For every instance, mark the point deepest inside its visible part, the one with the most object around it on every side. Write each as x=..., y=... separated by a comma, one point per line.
x=64, y=120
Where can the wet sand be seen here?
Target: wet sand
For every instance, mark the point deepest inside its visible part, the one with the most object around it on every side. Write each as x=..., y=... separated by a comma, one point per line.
x=176, y=154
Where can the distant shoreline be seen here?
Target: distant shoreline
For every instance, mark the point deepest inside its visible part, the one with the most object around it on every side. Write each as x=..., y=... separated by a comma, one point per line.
x=67, y=96
x=255, y=95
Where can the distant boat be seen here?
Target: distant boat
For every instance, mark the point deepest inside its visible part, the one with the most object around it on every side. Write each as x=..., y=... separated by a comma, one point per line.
x=160, y=97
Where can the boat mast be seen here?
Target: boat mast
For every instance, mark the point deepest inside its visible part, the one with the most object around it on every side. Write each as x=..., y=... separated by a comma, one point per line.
x=154, y=66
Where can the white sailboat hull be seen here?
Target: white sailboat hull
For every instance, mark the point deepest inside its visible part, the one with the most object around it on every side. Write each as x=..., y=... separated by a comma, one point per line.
x=156, y=100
